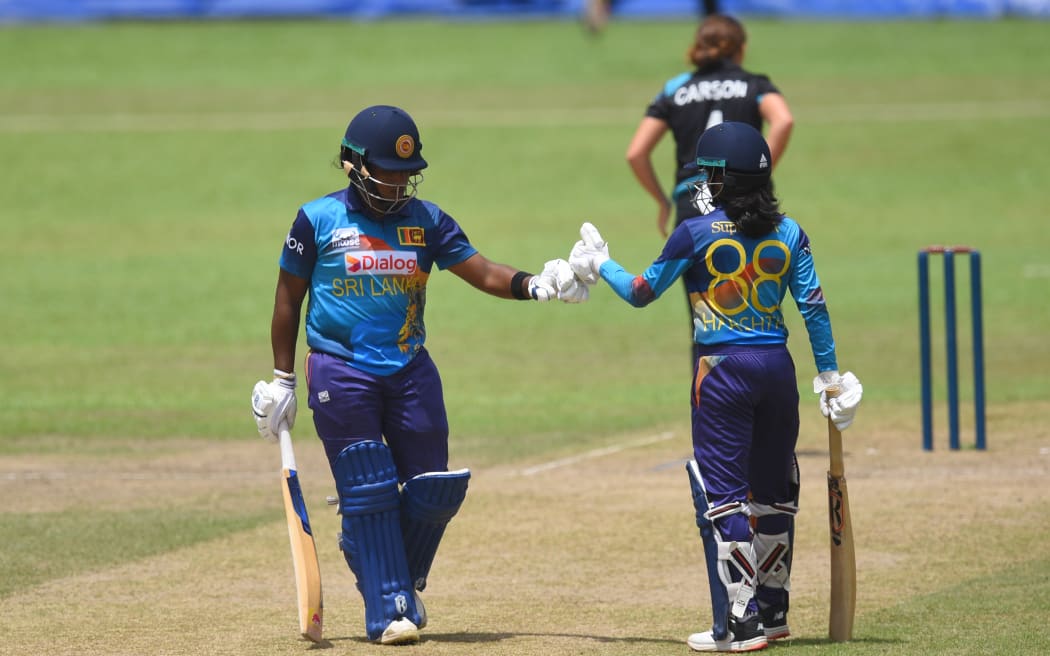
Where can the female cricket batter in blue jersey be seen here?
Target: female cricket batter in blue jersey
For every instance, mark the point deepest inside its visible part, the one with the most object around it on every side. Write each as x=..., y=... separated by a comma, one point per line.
x=738, y=263
x=364, y=255
x=717, y=89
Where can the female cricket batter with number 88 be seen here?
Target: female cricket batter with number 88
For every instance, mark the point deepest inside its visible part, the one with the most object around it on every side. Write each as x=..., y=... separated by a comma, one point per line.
x=738, y=263
x=364, y=255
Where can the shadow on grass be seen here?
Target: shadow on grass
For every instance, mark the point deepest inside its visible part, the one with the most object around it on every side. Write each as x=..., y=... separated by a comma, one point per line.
x=472, y=638
x=479, y=638
x=826, y=642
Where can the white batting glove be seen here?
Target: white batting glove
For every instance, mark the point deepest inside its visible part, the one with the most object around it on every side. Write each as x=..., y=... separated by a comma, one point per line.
x=589, y=254
x=570, y=288
x=544, y=285
x=842, y=408
x=274, y=404
x=557, y=281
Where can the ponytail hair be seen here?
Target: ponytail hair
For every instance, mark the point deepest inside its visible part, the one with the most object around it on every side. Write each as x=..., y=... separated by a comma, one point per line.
x=718, y=37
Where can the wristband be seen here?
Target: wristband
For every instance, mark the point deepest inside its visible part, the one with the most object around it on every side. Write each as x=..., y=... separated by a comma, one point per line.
x=516, y=284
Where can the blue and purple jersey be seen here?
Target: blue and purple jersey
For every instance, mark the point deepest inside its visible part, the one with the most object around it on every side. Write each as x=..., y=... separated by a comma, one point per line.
x=736, y=284
x=368, y=278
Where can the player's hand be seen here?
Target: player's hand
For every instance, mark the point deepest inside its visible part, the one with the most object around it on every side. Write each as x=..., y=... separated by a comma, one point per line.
x=662, y=218
x=274, y=404
x=570, y=288
x=589, y=254
x=841, y=408
x=544, y=285
x=557, y=281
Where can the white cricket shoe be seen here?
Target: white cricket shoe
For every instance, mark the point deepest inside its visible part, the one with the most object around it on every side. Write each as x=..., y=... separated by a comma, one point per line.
x=400, y=632
x=744, y=635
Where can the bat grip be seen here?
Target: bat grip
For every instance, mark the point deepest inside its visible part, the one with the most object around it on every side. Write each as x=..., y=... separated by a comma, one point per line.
x=287, y=454
x=837, y=467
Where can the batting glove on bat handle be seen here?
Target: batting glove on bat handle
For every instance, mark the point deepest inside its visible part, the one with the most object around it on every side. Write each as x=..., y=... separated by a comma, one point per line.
x=841, y=404
x=274, y=405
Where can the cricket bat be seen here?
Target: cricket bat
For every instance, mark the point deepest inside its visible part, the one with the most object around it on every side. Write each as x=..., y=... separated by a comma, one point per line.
x=304, y=551
x=843, y=558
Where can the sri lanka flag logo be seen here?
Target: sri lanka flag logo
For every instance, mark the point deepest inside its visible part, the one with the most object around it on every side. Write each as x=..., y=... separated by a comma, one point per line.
x=411, y=236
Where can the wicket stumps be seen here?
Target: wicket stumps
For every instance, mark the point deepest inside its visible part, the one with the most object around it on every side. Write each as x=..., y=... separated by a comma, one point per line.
x=951, y=355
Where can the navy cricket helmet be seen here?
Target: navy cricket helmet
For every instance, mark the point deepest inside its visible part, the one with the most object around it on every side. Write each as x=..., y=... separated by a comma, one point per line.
x=386, y=137
x=740, y=151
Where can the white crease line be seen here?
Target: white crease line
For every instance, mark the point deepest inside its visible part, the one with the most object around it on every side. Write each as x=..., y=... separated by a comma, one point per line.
x=596, y=453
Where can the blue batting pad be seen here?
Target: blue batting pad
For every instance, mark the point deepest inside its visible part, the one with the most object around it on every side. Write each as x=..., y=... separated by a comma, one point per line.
x=369, y=502
x=719, y=594
x=428, y=503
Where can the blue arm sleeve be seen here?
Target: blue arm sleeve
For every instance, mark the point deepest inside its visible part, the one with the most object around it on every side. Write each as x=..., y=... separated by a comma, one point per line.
x=809, y=297
x=642, y=290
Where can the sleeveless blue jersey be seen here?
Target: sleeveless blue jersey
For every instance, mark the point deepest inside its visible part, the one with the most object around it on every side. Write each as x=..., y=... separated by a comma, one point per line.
x=736, y=284
x=368, y=278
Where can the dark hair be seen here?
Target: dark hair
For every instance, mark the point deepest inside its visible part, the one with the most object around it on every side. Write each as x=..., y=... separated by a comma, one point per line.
x=718, y=37
x=755, y=213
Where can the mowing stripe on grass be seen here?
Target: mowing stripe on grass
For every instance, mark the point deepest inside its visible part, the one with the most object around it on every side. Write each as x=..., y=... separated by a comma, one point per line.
x=549, y=117
x=136, y=476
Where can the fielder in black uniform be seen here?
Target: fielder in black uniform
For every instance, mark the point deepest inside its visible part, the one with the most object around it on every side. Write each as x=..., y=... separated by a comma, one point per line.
x=717, y=90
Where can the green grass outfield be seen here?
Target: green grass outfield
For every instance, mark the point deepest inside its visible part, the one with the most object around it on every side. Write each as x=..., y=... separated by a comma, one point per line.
x=151, y=171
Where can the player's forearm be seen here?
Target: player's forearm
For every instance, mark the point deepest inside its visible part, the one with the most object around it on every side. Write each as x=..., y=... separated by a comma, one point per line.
x=646, y=175
x=631, y=288
x=283, y=337
x=776, y=113
x=818, y=326
x=284, y=332
x=492, y=278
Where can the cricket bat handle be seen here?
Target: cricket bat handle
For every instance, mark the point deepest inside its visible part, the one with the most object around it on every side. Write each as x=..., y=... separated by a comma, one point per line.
x=287, y=452
x=843, y=556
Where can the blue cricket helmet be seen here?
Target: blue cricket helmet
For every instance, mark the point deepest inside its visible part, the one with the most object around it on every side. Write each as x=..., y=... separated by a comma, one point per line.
x=387, y=137
x=738, y=149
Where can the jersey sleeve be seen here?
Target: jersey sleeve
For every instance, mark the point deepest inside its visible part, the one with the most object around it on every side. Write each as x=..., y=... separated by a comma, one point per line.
x=764, y=85
x=661, y=106
x=300, y=247
x=452, y=245
x=809, y=297
x=641, y=290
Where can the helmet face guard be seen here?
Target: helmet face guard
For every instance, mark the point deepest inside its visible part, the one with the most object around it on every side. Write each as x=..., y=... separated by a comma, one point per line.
x=703, y=194
x=380, y=196
x=386, y=139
